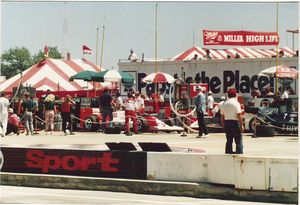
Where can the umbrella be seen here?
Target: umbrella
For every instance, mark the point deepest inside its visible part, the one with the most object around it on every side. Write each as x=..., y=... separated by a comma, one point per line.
x=113, y=76
x=84, y=75
x=282, y=71
x=158, y=77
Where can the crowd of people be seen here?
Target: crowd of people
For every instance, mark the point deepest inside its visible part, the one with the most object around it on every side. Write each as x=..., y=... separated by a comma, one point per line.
x=133, y=105
x=29, y=110
x=47, y=108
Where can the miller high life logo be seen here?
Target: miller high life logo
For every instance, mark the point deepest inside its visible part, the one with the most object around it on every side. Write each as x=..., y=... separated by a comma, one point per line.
x=239, y=38
x=210, y=36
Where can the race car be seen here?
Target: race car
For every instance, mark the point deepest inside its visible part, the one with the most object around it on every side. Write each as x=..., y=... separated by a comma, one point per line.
x=88, y=117
x=281, y=120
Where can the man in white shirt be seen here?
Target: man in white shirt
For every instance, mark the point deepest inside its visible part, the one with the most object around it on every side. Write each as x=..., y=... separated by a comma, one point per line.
x=210, y=102
x=132, y=57
x=119, y=103
x=233, y=122
x=4, y=105
x=130, y=113
x=217, y=111
x=139, y=103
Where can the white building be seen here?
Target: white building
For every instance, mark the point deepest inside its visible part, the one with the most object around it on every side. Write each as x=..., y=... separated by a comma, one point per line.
x=220, y=72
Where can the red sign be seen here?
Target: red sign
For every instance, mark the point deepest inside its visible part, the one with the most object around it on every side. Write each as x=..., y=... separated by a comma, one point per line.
x=194, y=92
x=112, y=164
x=239, y=38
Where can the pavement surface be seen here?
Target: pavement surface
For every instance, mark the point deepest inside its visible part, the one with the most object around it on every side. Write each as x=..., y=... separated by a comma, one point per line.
x=277, y=146
x=29, y=195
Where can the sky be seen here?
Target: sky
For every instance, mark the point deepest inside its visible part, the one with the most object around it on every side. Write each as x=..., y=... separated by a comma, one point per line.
x=131, y=25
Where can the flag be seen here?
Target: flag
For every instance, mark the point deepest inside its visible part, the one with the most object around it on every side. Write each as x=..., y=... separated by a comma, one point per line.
x=86, y=50
x=46, y=50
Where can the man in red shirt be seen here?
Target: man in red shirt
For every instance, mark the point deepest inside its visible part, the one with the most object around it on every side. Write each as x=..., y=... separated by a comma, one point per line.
x=66, y=109
x=13, y=122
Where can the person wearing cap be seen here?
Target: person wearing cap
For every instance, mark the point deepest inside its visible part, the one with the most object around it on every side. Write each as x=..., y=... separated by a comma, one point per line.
x=132, y=57
x=13, y=122
x=232, y=121
x=4, y=104
x=130, y=114
x=28, y=107
x=106, y=107
x=200, y=109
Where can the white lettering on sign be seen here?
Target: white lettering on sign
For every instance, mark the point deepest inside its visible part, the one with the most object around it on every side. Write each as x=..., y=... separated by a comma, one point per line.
x=273, y=38
x=255, y=38
x=233, y=38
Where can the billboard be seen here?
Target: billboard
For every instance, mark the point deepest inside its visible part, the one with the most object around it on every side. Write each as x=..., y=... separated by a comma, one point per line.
x=240, y=38
x=110, y=164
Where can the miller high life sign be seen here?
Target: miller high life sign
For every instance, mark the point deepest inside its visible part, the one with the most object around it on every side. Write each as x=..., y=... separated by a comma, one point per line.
x=239, y=38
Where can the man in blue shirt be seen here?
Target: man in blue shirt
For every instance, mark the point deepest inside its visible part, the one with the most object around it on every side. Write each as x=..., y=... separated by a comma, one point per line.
x=28, y=107
x=200, y=109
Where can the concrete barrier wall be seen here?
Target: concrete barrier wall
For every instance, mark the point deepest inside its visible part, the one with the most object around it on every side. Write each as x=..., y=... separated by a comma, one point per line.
x=219, y=169
x=274, y=174
x=252, y=173
x=185, y=167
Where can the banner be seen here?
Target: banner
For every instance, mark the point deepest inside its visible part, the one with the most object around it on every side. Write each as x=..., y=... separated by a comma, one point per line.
x=91, y=163
x=240, y=38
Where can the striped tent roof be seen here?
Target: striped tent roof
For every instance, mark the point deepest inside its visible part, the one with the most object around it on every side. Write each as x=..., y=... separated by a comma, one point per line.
x=52, y=74
x=243, y=52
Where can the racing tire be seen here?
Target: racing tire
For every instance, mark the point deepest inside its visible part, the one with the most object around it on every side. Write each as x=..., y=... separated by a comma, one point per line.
x=142, y=124
x=264, y=131
x=90, y=124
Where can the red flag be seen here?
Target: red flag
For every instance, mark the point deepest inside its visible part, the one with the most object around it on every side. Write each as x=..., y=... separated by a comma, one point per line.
x=46, y=50
x=86, y=50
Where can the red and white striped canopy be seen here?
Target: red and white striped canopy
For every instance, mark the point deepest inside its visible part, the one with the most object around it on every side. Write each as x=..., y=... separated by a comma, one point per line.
x=158, y=77
x=243, y=52
x=52, y=74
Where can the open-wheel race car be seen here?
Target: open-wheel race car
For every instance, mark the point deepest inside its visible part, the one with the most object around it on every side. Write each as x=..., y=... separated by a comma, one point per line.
x=88, y=117
x=267, y=121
